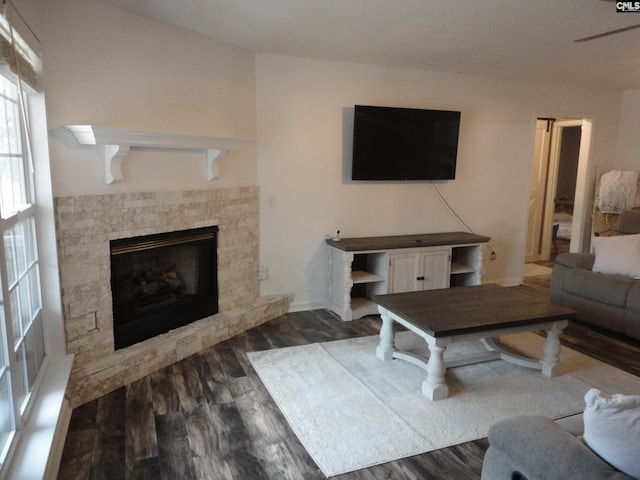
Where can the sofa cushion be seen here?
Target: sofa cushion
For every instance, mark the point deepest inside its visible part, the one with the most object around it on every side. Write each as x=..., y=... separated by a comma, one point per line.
x=612, y=429
x=632, y=313
x=538, y=448
x=633, y=298
x=576, y=260
x=606, y=289
x=613, y=318
x=618, y=255
x=629, y=222
x=631, y=325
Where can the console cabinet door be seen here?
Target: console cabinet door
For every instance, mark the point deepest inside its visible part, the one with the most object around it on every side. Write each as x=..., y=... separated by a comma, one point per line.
x=414, y=271
x=435, y=269
x=404, y=272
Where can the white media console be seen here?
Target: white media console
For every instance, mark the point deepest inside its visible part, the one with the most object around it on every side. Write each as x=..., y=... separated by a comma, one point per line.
x=367, y=266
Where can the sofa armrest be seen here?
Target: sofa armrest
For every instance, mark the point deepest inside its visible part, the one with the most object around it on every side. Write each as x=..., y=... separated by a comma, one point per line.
x=539, y=449
x=576, y=260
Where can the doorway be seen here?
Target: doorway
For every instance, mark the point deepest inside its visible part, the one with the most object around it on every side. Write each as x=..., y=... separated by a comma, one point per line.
x=557, y=213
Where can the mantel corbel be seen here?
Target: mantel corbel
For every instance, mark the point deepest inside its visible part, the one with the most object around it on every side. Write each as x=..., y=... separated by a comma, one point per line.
x=114, y=144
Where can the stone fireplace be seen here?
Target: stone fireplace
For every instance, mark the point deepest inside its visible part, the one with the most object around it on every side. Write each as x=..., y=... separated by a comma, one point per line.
x=88, y=226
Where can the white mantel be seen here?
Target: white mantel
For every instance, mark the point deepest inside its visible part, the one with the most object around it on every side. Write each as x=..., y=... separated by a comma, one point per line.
x=113, y=144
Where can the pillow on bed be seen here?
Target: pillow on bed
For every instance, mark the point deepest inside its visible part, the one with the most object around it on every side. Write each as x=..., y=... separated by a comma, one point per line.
x=619, y=255
x=612, y=429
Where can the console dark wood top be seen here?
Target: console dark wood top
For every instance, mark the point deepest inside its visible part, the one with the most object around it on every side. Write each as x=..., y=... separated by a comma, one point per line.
x=406, y=241
x=460, y=310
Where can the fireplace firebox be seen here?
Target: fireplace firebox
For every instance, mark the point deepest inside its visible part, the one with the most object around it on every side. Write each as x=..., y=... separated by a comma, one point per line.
x=161, y=282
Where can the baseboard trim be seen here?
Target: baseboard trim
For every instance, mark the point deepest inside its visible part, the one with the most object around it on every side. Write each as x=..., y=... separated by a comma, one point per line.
x=304, y=306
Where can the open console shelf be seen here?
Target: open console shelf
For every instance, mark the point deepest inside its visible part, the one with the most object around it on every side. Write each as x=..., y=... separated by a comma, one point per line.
x=367, y=266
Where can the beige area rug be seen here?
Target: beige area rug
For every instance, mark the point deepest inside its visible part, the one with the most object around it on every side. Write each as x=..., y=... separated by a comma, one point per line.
x=350, y=410
x=534, y=270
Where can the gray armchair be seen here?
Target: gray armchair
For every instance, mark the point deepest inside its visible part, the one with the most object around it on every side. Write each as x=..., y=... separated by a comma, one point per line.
x=537, y=448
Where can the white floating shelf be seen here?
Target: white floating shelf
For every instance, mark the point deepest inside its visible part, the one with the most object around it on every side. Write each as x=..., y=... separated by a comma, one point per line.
x=113, y=145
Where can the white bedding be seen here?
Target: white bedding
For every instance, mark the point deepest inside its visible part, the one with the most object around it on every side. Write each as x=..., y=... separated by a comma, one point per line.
x=564, y=220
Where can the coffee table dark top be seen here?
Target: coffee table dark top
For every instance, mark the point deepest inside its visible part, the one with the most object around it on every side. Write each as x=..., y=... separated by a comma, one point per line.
x=460, y=310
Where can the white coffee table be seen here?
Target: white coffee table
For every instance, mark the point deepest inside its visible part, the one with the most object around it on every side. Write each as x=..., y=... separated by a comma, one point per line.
x=460, y=314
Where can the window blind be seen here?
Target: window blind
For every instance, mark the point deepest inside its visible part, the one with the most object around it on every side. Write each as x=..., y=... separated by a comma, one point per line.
x=19, y=48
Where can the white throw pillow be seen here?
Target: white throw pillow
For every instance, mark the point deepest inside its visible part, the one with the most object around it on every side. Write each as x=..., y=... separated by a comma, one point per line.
x=612, y=429
x=619, y=255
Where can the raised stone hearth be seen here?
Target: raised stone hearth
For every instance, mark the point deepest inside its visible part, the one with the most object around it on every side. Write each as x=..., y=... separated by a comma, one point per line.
x=85, y=225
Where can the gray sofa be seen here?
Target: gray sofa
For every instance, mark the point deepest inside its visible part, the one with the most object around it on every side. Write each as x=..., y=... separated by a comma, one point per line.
x=537, y=448
x=606, y=300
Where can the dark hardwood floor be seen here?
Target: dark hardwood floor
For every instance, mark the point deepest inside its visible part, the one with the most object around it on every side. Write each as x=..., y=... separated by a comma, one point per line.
x=209, y=416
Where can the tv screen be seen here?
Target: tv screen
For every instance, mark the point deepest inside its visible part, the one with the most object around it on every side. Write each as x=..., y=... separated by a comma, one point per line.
x=391, y=143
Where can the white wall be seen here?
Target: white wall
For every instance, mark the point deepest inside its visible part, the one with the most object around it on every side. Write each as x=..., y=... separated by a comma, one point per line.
x=304, y=115
x=107, y=67
x=628, y=155
x=111, y=68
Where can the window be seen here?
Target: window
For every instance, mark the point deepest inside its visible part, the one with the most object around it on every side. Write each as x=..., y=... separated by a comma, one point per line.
x=22, y=351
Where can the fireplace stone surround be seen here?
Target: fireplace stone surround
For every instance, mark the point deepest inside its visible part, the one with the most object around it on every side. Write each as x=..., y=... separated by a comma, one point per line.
x=84, y=227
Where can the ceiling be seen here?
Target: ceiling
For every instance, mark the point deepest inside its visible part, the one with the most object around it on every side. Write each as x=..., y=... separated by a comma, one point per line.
x=519, y=39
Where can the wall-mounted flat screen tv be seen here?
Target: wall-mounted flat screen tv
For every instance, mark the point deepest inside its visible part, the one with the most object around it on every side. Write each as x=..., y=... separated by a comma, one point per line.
x=391, y=143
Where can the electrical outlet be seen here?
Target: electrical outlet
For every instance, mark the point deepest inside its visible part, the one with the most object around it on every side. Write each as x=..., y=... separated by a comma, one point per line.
x=263, y=272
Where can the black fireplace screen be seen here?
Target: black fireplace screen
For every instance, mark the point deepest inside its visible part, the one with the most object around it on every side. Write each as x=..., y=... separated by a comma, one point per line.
x=161, y=282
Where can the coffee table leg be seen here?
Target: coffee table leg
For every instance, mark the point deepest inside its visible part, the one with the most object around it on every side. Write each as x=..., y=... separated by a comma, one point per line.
x=550, y=362
x=435, y=387
x=386, y=347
